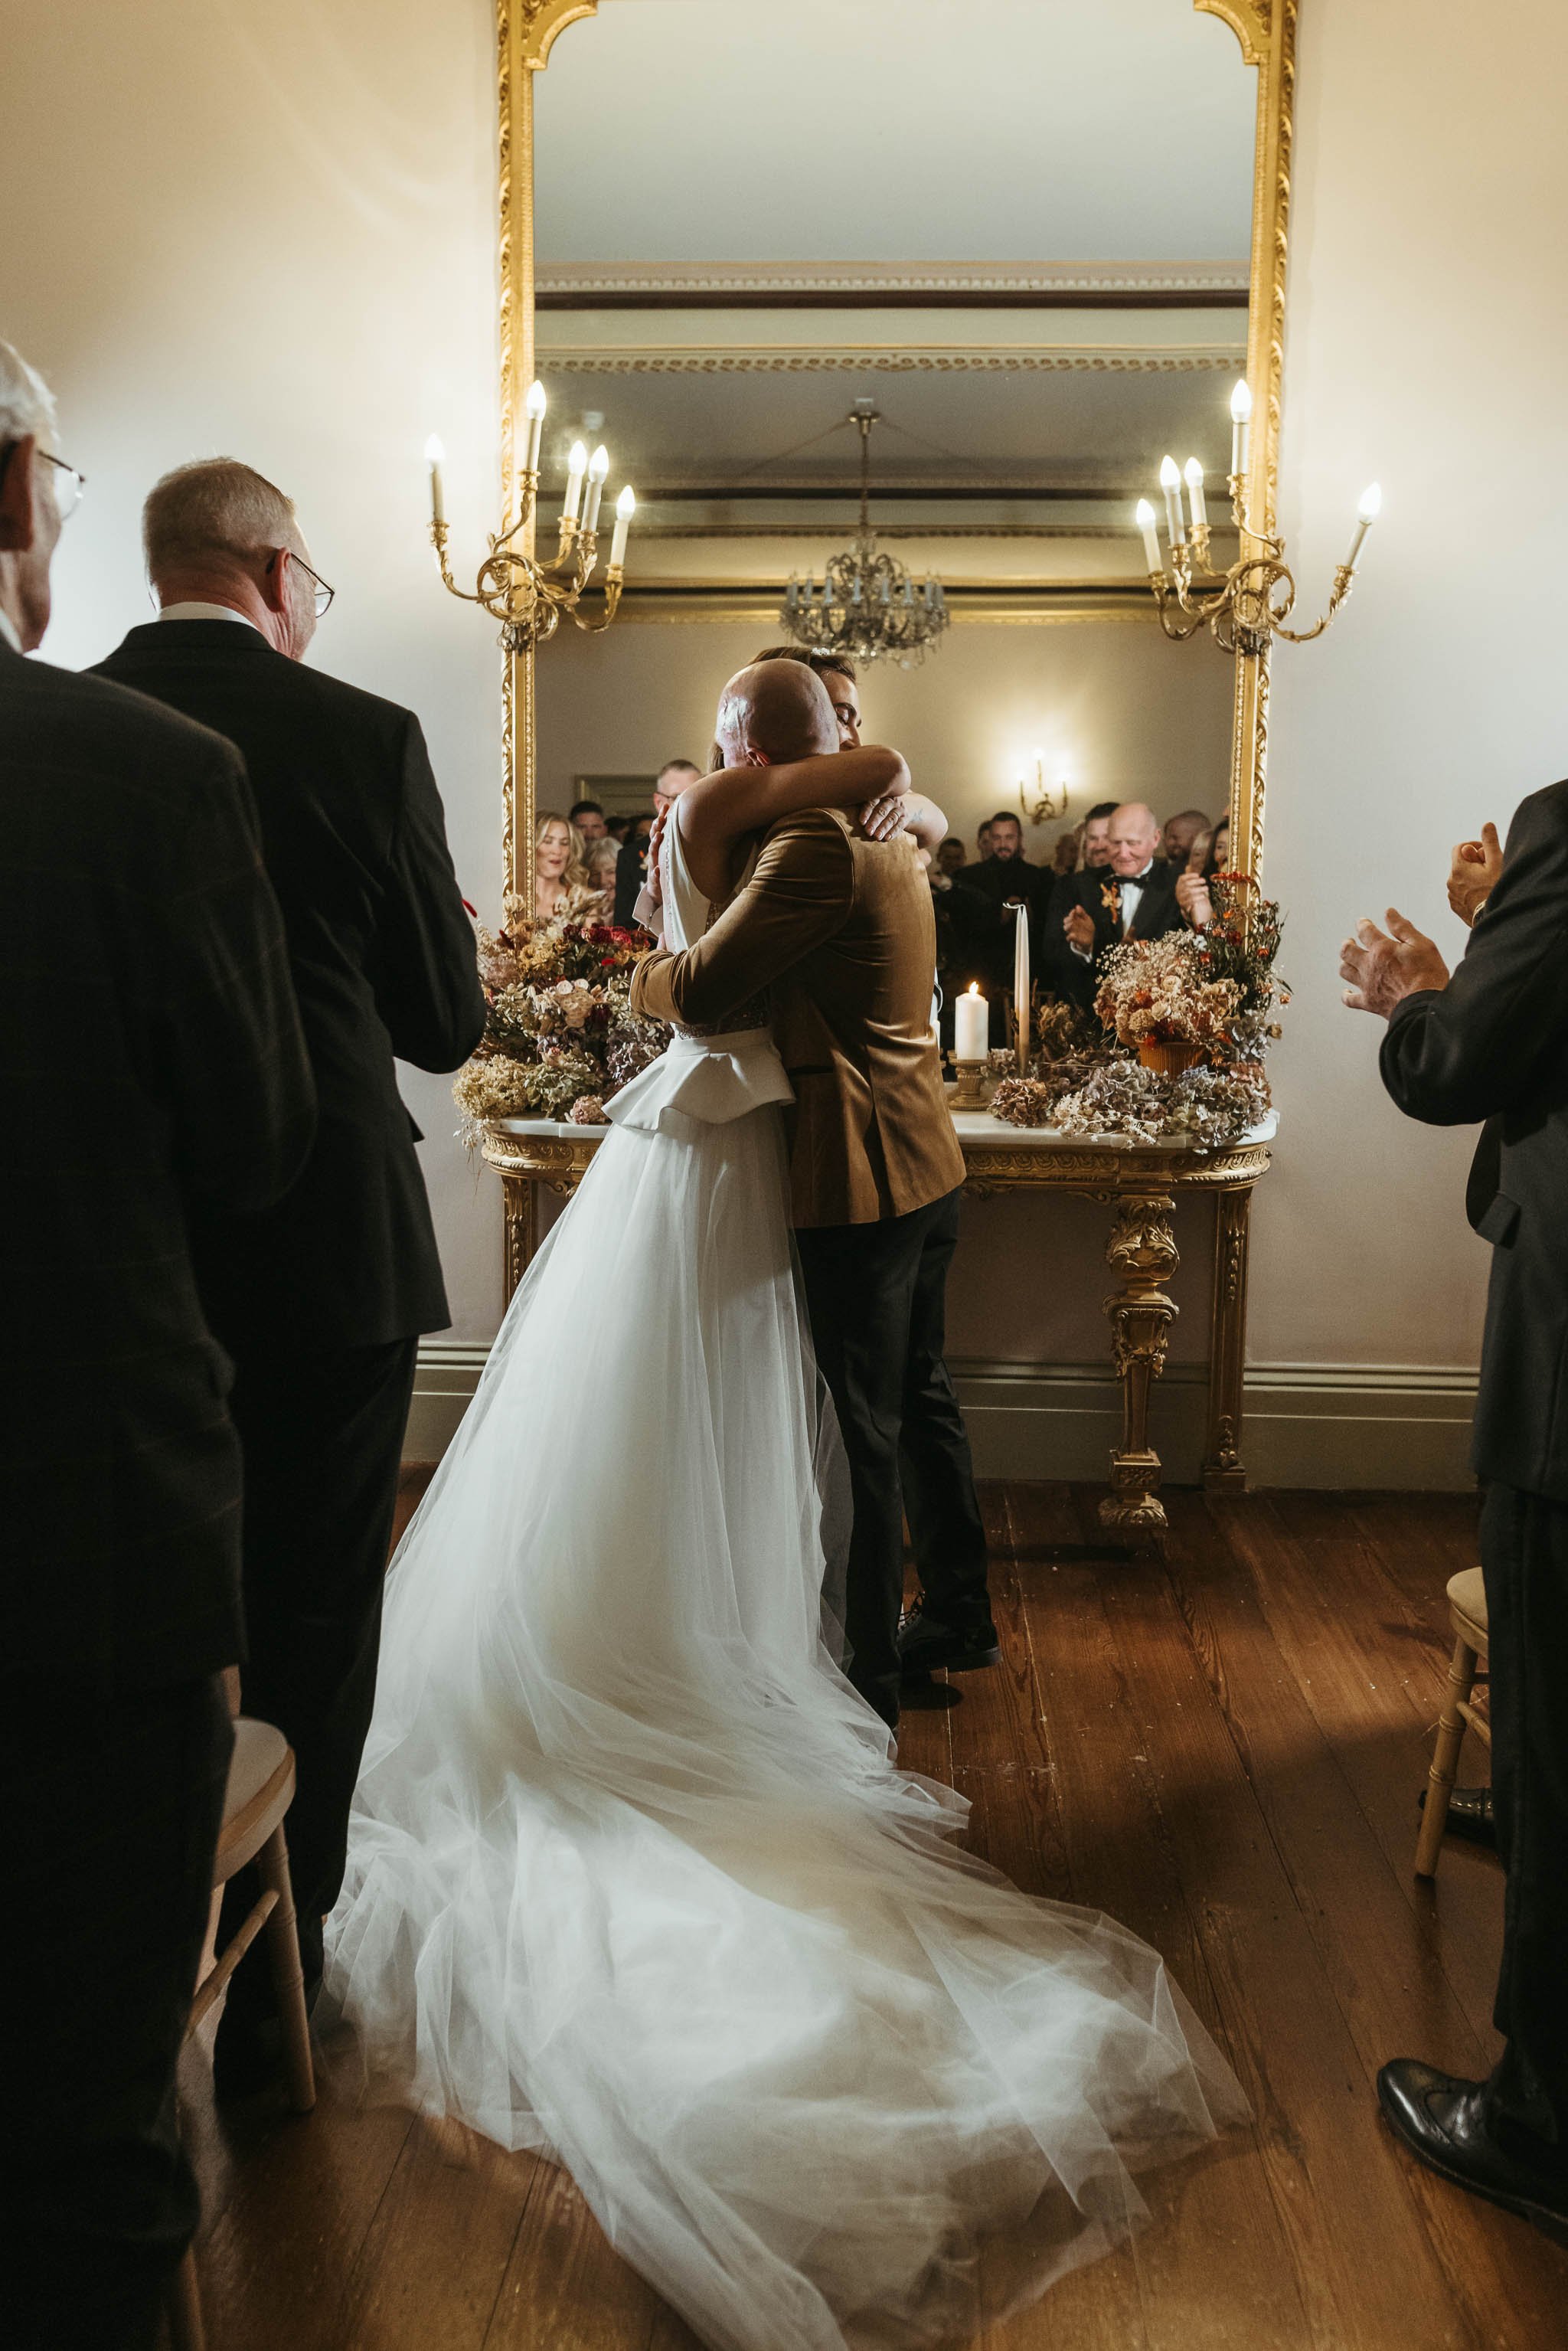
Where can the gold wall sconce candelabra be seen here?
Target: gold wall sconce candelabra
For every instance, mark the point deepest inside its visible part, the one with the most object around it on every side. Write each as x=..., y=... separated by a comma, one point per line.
x=1248, y=605
x=526, y=596
x=1043, y=810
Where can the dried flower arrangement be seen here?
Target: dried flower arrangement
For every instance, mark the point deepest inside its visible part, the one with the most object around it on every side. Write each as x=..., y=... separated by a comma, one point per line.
x=560, y=1037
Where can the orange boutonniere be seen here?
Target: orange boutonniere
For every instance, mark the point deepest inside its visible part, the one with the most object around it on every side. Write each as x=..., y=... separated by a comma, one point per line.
x=1111, y=899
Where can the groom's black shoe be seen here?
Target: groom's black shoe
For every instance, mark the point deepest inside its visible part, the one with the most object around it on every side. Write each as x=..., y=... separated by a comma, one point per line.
x=1444, y=2121
x=926, y=1645
x=1470, y=1816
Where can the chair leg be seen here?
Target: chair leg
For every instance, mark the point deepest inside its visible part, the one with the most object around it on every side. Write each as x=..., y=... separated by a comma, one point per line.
x=288, y=1976
x=1445, y=1759
x=184, y=2307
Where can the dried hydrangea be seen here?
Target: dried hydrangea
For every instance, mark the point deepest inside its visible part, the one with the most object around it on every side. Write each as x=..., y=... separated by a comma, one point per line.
x=588, y=1109
x=559, y=1025
x=1023, y=1102
x=1112, y=1095
x=1160, y=989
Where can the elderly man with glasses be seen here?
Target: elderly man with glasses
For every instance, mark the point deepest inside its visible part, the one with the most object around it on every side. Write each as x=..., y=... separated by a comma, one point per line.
x=320, y=1302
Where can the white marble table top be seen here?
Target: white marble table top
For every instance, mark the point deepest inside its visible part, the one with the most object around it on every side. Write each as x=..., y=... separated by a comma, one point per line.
x=969, y=1125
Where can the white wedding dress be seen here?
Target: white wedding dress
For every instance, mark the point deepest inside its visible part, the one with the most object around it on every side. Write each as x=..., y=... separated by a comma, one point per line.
x=631, y=1876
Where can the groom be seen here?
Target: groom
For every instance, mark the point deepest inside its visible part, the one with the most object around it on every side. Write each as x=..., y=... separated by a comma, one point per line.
x=841, y=931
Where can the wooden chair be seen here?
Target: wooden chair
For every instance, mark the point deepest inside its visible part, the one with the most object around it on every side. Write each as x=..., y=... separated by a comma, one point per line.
x=260, y=1791
x=1467, y=1613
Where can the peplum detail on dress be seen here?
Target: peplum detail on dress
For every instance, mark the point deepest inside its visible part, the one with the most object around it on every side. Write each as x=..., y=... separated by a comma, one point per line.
x=712, y=1080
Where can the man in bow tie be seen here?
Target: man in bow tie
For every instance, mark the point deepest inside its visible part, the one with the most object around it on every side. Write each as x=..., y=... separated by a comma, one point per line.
x=1136, y=898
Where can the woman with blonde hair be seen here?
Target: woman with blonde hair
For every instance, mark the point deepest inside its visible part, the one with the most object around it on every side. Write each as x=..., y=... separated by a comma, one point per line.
x=561, y=886
x=601, y=858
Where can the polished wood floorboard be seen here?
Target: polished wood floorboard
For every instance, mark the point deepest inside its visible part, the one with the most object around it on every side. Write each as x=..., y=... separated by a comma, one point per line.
x=1222, y=1749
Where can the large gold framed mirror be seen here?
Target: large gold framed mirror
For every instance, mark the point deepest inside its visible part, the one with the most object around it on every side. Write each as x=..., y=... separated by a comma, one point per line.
x=725, y=229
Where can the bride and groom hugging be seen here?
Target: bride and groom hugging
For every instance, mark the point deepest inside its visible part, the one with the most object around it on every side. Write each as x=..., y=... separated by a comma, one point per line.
x=633, y=1877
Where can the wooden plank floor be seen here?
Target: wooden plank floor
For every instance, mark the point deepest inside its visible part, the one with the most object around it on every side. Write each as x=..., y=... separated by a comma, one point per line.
x=1222, y=1749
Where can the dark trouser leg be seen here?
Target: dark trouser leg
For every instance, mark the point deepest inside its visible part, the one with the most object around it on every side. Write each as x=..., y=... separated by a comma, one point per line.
x=859, y=1288
x=1524, y=1553
x=114, y=1807
x=938, y=1475
x=323, y=1439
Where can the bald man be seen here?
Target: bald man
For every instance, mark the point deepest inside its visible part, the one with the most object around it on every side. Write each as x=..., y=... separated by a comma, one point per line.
x=1180, y=831
x=839, y=930
x=1134, y=899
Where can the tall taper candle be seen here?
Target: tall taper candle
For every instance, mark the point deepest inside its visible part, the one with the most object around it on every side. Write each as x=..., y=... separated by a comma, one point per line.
x=971, y=1026
x=1366, y=514
x=576, y=466
x=534, y=409
x=434, y=453
x=625, y=507
x=1023, y=1007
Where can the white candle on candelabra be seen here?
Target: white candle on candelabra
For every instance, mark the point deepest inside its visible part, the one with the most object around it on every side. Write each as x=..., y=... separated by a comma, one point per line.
x=576, y=466
x=625, y=507
x=434, y=453
x=1366, y=514
x=599, y=467
x=1195, y=500
x=971, y=1026
x=1023, y=1009
x=1170, y=482
x=534, y=409
x=1144, y=515
x=1240, y=425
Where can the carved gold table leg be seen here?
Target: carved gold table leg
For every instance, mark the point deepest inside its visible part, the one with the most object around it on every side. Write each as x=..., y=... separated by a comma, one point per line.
x=520, y=1197
x=1223, y=1468
x=1142, y=1252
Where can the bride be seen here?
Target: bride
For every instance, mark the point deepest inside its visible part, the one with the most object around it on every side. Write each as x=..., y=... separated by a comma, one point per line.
x=633, y=1879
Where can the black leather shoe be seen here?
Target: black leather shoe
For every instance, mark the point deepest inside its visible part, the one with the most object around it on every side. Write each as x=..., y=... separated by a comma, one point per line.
x=928, y=1645
x=1470, y=1816
x=1443, y=2121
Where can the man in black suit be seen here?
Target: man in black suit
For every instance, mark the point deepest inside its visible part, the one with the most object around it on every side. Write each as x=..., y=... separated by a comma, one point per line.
x=154, y=1071
x=1491, y=1043
x=982, y=923
x=320, y=1302
x=632, y=866
x=1136, y=898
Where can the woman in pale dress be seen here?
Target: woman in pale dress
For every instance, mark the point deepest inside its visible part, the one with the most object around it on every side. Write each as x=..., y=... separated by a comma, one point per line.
x=633, y=1879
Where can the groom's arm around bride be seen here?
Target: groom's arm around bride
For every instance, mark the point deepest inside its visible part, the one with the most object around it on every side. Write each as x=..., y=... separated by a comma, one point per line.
x=841, y=931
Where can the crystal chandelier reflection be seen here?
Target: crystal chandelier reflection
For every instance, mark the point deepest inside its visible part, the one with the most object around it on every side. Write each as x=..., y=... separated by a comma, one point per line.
x=868, y=605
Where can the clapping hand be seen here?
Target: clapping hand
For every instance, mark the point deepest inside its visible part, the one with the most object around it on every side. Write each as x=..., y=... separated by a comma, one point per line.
x=1079, y=927
x=1192, y=897
x=1472, y=875
x=1383, y=969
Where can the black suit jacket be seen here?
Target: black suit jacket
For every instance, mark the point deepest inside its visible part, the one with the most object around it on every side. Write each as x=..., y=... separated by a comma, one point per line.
x=1157, y=914
x=1493, y=1045
x=631, y=873
x=153, y=1066
x=382, y=953
x=982, y=927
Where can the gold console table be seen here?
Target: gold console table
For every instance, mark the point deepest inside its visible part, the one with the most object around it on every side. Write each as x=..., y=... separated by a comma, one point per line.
x=1139, y=1181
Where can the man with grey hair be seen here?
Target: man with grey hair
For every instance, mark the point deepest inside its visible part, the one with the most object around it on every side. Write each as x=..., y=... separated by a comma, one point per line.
x=320, y=1303
x=144, y=969
x=1136, y=898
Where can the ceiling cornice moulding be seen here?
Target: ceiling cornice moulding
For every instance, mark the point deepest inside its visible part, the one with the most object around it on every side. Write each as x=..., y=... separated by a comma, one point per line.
x=695, y=285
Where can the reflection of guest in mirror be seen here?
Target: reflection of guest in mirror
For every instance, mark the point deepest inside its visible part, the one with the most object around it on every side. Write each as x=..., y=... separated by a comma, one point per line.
x=587, y=817
x=602, y=858
x=1180, y=833
x=631, y=871
x=560, y=878
x=1135, y=900
x=1207, y=856
x=951, y=858
x=984, y=926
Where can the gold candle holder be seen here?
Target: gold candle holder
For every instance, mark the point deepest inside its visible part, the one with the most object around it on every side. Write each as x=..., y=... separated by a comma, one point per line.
x=973, y=1092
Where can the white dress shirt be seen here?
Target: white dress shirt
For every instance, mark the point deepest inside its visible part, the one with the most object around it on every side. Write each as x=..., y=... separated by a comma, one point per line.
x=1130, y=894
x=192, y=610
x=8, y=631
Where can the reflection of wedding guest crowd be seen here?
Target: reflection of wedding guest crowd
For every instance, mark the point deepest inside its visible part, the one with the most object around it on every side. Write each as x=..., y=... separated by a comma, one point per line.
x=227, y=904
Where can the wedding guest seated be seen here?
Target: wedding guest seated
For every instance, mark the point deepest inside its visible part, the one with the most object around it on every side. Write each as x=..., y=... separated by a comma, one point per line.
x=1490, y=1043
x=141, y=954
x=561, y=885
x=1136, y=899
x=631, y=871
x=1180, y=833
x=587, y=818
x=321, y=1302
x=984, y=925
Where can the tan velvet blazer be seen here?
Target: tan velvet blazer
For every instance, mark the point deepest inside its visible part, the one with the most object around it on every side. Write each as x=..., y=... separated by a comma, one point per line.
x=839, y=933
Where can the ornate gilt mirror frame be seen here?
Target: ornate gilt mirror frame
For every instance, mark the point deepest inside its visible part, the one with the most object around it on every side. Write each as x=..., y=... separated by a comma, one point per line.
x=1266, y=29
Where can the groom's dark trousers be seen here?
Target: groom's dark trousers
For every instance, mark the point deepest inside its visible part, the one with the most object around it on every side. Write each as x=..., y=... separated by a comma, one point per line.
x=839, y=933
x=319, y=1303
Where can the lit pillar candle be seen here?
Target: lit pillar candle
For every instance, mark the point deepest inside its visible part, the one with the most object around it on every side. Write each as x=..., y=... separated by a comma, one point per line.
x=534, y=409
x=1145, y=517
x=1170, y=482
x=1366, y=514
x=597, y=468
x=576, y=466
x=971, y=1026
x=1195, y=500
x=625, y=507
x=434, y=453
x=1240, y=425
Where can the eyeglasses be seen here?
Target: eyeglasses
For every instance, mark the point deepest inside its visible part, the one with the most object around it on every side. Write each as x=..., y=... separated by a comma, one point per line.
x=68, y=483
x=324, y=594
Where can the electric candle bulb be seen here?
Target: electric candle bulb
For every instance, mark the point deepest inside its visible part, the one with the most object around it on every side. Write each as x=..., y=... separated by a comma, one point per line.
x=625, y=507
x=1195, y=500
x=434, y=454
x=597, y=468
x=576, y=466
x=971, y=1026
x=1366, y=514
x=1170, y=482
x=1240, y=425
x=534, y=409
x=1144, y=515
